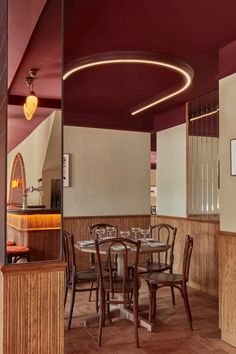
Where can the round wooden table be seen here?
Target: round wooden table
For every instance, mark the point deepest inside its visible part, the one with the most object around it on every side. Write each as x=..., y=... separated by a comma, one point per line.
x=146, y=248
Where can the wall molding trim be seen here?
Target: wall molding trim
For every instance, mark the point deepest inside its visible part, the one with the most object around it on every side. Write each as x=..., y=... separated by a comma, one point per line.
x=32, y=267
x=188, y=218
x=227, y=233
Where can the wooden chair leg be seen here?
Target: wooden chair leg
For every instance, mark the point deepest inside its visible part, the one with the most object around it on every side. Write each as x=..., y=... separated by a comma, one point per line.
x=154, y=301
x=172, y=289
x=97, y=307
x=187, y=307
x=108, y=310
x=135, y=314
x=100, y=327
x=172, y=295
x=72, y=303
x=101, y=319
x=103, y=310
x=90, y=293
x=65, y=294
x=150, y=312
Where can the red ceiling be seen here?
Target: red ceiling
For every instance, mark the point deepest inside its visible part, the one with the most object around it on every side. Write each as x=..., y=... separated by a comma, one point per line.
x=189, y=30
x=20, y=29
x=192, y=31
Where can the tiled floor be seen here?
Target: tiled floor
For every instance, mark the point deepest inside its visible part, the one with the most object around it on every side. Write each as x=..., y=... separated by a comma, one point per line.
x=171, y=332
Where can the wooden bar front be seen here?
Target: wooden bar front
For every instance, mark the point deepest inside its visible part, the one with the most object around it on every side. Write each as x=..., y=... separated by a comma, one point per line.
x=37, y=229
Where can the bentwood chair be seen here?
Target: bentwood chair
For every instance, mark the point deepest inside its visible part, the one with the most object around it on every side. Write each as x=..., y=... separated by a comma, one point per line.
x=164, y=261
x=156, y=281
x=74, y=277
x=94, y=235
x=119, y=287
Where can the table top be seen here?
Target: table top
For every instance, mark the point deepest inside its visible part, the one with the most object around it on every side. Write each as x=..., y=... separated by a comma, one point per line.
x=151, y=247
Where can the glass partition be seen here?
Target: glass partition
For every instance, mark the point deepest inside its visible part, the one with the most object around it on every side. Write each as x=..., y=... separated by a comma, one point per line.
x=203, y=157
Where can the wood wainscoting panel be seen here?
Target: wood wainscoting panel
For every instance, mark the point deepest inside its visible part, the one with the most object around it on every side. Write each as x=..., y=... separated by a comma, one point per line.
x=78, y=226
x=33, y=311
x=227, y=286
x=204, y=263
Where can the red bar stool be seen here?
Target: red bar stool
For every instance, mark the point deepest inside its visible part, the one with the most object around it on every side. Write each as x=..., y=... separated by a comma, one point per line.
x=11, y=243
x=14, y=253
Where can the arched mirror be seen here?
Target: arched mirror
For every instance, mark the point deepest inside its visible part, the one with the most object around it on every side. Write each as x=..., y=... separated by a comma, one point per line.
x=34, y=131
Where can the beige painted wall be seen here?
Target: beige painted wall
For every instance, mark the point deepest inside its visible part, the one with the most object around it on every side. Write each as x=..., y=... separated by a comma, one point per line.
x=227, y=100
x=34, y=151
x=110, y=172
x=171, y=171
x=153, y=177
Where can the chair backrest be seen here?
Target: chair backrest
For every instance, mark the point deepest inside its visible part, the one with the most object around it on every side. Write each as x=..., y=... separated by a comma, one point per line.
x=93, y=228
x=122, y=247
x=69, y=254
x=187, y=256
x=167, y=234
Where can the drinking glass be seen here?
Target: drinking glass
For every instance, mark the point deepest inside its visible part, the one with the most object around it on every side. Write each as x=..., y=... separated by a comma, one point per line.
x=124, y=234
x=145, y=233
x=100, y=232
x=111, y=231
x=135, y=230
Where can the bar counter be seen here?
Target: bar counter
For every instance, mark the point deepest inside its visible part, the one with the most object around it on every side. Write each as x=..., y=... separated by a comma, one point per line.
x=38, y=229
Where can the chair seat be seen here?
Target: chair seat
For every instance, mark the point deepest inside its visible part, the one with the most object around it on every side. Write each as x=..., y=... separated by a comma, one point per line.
x=17, y=250
x=153, y=267
x=118, y=285
x=164, y=278
x=88, y=275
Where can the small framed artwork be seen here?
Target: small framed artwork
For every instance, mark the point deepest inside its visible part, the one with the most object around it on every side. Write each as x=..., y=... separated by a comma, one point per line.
x=233, y=157
x=66, y=170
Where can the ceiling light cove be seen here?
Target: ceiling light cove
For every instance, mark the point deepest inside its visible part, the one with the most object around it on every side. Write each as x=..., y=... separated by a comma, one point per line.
x=145, y=58
x=205, y=115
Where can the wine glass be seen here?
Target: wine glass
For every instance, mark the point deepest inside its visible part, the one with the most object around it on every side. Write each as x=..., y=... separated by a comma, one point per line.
x=100, y=232
x=111, y=231
x=135, y=230
x=145, y=233
x=124, y=234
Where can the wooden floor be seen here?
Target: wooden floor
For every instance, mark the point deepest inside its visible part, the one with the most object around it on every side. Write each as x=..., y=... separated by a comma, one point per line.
x=171, y=332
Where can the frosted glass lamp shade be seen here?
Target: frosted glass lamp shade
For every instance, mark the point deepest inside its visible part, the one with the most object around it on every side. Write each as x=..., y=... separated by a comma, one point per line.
x=32, y=102
x=30, y=105
x=27, y=112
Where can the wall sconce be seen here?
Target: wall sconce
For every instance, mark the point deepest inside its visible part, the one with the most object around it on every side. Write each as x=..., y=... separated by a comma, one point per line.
x=31, y=102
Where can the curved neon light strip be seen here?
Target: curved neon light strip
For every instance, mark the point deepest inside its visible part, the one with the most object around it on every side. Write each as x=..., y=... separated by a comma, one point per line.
x=184, y=73
x=204, y=115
